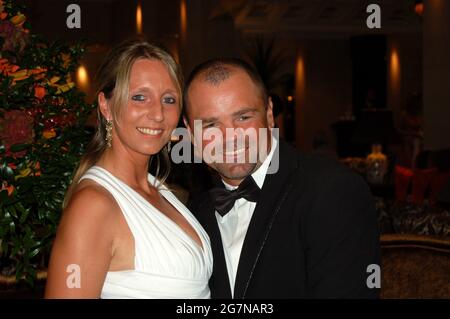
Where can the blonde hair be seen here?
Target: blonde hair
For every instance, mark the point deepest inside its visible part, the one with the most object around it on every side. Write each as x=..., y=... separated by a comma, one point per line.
x=113, y=81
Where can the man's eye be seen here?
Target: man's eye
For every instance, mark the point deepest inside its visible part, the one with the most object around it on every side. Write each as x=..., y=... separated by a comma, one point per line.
x=138, y=97
x=169, y=100
x=209, y=125
x=243, y=117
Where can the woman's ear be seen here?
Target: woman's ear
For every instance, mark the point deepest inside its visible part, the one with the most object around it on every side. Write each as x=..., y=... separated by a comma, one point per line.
x=104, y=106
x=269, y=114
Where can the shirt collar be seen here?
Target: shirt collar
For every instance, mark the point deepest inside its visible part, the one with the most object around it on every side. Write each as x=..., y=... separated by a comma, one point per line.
x=260, y=174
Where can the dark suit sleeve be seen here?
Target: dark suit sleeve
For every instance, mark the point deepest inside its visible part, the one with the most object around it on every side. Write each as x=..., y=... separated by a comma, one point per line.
x=342, y=239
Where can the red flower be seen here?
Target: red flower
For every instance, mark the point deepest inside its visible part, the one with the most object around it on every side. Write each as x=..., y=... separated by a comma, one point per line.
x=16, y=127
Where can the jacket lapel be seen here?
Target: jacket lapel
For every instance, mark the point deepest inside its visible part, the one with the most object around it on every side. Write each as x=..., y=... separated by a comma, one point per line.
x=219, y=282
x=274, y=191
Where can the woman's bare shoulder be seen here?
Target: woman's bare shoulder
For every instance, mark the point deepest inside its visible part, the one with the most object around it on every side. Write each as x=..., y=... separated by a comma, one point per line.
x=84, y=238
x=90, y=204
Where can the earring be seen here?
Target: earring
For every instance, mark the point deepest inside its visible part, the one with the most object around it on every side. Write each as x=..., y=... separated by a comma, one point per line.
x=169, y=146
x=108, y=133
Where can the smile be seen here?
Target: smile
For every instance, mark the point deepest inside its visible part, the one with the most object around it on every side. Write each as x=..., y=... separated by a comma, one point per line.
x=148, y=131
x=235, y=153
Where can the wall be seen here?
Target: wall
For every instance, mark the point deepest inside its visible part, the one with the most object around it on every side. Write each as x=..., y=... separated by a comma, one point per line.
x=436, y=74
x=327, y=90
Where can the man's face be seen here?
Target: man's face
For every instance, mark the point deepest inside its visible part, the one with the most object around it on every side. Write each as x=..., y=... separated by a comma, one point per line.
x=234, y=104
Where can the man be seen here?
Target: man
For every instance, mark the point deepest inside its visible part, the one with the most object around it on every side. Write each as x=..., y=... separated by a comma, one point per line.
x=308, y=230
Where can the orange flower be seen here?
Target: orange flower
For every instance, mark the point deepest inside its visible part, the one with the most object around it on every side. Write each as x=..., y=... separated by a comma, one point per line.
x=3, y=15
x=66, y=59
x=18, y=19
x=39, y=76
x=8, y=188
x=50, y=133
x=37, y=168
x=19, y=75
x=6, y=68
x=14, y=68
x=38, y=73
x=38, y=70
x=39, y=92
x=54, y=79
x=64, y=88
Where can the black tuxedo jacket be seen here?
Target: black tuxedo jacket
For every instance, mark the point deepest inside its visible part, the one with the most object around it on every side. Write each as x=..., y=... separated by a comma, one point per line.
x=312, y=235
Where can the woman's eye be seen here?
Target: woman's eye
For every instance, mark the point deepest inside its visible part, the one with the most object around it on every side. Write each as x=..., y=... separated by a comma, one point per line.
x=169, y=100
x=138, y=97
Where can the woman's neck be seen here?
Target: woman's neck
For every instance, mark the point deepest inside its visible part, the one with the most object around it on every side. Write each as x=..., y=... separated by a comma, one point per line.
x=131, y=168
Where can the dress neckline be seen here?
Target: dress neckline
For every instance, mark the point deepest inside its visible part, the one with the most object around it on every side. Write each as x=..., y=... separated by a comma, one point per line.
x=171, y=202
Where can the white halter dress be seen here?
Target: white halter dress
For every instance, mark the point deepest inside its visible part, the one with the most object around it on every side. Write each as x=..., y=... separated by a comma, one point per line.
x=168, y=262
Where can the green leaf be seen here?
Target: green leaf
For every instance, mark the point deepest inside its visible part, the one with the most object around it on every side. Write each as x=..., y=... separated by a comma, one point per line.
x=12, y=210
x=12, y=227
x=3, y=232
x=16, y=247
x=6, y=172
x=34, y=252
x=19, y=147
x=4, y=198
x=24, y=212
x=19, y=271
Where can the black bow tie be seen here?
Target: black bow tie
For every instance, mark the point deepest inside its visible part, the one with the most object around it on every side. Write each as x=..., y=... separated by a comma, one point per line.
x=224, y=199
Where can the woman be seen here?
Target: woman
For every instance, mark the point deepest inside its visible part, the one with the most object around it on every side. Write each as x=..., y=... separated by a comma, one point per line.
x=123, y=234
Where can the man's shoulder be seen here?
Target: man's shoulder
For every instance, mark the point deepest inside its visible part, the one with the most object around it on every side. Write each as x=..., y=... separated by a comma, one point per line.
x=313, y=165
x=317, y=171
x=319, y=165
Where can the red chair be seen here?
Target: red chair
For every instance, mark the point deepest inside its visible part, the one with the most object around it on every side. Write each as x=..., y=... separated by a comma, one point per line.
x=403, y=177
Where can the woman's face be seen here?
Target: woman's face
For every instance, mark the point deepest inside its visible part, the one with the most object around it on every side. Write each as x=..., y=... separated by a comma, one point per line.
x=152, y=110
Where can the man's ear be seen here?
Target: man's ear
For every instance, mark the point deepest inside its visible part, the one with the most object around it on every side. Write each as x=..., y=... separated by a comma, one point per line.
x=104, y=106
x=269, y=114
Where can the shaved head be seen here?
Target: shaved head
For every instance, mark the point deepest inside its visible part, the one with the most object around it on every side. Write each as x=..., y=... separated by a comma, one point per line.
x=216, y=71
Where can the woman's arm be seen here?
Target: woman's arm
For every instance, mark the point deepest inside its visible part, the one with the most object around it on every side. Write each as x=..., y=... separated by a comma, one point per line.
x=82, y=250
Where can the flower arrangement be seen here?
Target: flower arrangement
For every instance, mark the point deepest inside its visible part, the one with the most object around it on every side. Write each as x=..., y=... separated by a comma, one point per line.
x=42, y=136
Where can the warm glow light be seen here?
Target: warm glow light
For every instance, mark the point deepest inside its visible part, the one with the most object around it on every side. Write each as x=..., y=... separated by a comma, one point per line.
x=418, y=8
x=394, y=79
x=300, y=76
x=302, y=118
x=139, y=18
x=394, y=69
x=290, y=98
x=183, y=19
x=82, y=77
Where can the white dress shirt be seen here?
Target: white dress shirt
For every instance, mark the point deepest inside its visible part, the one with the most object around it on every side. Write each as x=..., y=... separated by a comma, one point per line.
x=233, y=226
